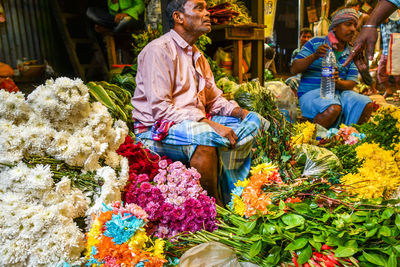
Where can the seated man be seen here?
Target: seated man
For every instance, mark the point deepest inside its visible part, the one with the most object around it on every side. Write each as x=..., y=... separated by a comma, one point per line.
x=348, y=106
x=175, y=92
x=305, y=35
x=120, y=15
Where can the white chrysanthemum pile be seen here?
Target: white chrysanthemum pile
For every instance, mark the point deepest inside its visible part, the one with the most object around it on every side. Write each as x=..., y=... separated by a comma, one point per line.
x=58, y=120
x=36, y=218
x=36, y=215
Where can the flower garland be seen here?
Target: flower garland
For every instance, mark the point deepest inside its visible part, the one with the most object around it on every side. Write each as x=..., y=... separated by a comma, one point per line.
x=304, y=133
x=118, y=238
x=346, y=134
x=249, y=198
x=378, y=176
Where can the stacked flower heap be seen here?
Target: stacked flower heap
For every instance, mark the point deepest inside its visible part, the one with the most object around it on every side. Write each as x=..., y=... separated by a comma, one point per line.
x=118, y=238
x=174, y=200
x=36, y=218
x=249, y=197
x=304, y=133
x=56, y=122
x=379, y=174
x=169, y=192
x=346, y=134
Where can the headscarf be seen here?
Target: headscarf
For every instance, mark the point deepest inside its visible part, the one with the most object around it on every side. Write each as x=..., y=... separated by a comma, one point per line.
x=338, y=17
x=343, y=15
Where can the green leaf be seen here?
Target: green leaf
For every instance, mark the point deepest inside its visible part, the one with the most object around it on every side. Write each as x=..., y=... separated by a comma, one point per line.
x=385, y=231
x=255, y=238
x=351, y=244
x=374, y=258
x=318, y=238
x=344, y=252
x=371, y=233
x=297, y=244
x=397, y=220
x=274, y=255
x=269, y=228
x=293, y=220
x=387, y=213
x=247, y=227
x=300, y=207
x=255, y=249
x=304, y=255
x=282, y=205
x=392, y=260
x=316, y=245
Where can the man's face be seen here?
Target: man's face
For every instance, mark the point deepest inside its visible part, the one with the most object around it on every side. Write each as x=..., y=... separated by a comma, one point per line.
x=196, y=17
x=345, y=31
x=304, y=37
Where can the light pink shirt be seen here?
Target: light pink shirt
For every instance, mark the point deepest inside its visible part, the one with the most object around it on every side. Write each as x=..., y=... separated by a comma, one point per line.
x=175, y=82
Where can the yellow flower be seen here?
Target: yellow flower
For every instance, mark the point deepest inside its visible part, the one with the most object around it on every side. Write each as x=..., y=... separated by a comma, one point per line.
x=159, y=248
x=263, y=168
x=93, y=237
x=138, y=241
x=238, y=206
x=379, y=175
x=242, y=183
x=304, y=133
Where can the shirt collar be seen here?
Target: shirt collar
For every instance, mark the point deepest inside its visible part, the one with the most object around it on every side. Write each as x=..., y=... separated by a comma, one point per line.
x=185, y=46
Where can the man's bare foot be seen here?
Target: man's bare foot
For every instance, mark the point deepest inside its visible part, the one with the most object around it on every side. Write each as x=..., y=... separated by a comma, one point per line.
x=388, y=93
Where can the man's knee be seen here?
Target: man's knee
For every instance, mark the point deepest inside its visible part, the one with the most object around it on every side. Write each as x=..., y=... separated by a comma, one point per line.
x=333, y=111
x=204, y=155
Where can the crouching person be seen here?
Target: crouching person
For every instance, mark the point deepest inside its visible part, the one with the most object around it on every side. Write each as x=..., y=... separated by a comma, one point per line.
x=175, y=94
x=348, y=106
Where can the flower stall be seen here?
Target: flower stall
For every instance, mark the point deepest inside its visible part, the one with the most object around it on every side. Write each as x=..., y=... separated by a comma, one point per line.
x=78, y=189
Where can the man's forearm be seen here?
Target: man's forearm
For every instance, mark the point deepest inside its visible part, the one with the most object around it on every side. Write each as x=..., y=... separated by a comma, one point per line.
x=301, y=65
x=344, y=85
x=382, y=11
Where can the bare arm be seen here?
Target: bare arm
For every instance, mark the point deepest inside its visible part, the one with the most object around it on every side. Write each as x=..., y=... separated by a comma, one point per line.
x=301, y=65
x=368, y=36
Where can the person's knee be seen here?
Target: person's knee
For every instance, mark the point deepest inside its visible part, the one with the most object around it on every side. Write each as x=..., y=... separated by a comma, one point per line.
x=333, y=111
x=204, y=156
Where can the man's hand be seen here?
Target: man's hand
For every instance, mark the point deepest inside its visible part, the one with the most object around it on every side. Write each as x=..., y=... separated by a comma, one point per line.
x=336, y=76
x=366, y=38
x=119, y=17
x=321, y=51
x=223, y=131
x=240, y=113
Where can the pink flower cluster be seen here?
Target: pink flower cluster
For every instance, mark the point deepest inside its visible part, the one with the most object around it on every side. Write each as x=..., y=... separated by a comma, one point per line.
x=174, y=200
x=346, y=134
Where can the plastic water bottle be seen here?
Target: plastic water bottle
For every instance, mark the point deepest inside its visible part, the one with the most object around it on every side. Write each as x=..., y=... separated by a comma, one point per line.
x=327, y=75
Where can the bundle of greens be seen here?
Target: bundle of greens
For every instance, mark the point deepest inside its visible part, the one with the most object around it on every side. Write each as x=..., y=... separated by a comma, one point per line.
x=357, y=234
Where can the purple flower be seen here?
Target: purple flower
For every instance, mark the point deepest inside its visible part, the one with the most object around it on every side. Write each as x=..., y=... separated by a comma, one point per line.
x=146, y=187
x=177, y=165
x=178, y=214
x=189, y=203
x=142, y=199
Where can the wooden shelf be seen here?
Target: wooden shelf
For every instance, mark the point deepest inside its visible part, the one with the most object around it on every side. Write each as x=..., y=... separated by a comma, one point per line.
x=238, y=33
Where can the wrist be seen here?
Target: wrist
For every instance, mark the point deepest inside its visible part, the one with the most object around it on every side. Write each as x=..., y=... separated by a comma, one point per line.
x=373, y=26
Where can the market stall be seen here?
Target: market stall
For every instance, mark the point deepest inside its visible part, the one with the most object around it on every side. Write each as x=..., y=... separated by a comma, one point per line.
x=78, y=188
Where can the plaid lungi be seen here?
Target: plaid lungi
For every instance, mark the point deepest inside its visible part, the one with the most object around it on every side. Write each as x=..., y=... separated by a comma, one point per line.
x=183, y=139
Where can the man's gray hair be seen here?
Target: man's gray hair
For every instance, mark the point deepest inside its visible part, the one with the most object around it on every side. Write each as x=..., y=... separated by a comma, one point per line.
x=174, y=5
